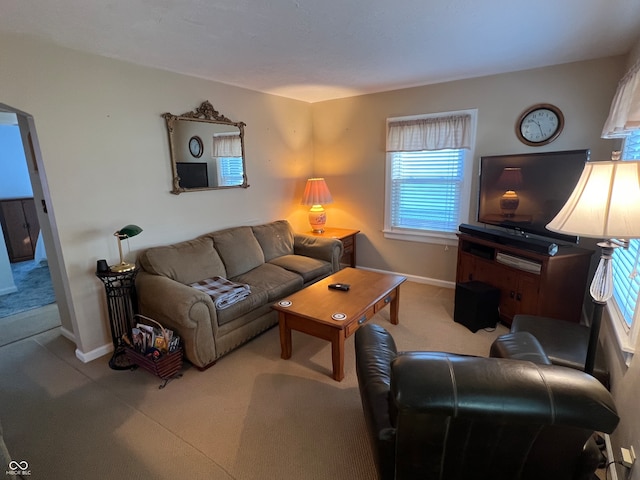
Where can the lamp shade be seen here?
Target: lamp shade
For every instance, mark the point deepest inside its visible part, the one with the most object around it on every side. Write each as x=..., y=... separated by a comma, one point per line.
x=129, y=231
x=604, y=204
x=510, y=178
x=316, y=192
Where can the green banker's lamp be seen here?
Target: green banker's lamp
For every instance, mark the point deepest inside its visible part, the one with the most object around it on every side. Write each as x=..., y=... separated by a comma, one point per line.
x=127, y=231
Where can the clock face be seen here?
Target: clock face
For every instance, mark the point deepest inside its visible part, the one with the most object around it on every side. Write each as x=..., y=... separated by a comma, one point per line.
x=540, y=125
x=195, y=147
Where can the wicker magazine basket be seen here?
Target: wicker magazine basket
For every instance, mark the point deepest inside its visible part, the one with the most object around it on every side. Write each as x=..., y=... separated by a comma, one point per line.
x=166, y=366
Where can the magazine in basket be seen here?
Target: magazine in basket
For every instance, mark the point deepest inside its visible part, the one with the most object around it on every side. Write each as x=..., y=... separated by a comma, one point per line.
x=155, y=349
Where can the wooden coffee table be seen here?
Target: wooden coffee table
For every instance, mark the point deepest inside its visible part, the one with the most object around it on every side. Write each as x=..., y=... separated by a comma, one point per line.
x=334, y=315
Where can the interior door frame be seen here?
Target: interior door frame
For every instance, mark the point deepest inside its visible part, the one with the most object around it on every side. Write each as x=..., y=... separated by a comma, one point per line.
x=48, y=226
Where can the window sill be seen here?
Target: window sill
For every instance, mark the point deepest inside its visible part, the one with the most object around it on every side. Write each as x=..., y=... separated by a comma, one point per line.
x=621, y=332
x=438, y=238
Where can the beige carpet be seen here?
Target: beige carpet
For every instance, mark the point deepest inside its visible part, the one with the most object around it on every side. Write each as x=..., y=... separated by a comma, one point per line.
x=28, y=323
x=250, y=416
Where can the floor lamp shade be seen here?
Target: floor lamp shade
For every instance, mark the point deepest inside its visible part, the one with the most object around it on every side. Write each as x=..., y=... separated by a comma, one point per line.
x=605, y=204
x=316, y=194
x=127, y=231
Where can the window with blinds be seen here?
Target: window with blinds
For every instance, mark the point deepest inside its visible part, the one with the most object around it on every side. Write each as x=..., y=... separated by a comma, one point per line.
x=425, y=189
x=428, y=175
x=626, y=281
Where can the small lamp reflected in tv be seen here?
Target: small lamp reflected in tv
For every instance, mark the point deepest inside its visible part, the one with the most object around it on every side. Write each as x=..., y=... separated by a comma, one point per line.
x=510, y=180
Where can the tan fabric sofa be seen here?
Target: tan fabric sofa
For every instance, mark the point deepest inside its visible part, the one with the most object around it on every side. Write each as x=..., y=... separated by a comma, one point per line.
x=271, y=258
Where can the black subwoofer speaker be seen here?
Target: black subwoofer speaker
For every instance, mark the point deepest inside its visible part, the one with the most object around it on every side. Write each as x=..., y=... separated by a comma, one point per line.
x=476, y=305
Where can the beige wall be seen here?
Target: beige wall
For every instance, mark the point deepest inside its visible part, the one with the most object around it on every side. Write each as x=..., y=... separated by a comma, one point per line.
x=106, y=156
x=349, y=140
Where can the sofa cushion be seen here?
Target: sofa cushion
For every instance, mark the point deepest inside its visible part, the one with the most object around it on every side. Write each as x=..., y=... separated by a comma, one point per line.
x=239, y=250
x=249, y=303
x=276, y=281
x=275, y=238
x=184, y=262
x=309, y=268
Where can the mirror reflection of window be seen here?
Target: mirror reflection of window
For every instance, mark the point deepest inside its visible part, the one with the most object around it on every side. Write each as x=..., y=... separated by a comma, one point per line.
x=227, y=150
x=230, y=171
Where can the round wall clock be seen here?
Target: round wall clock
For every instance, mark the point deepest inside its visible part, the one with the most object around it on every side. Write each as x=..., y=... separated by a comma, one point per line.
x=539, y=124
x=195, y=146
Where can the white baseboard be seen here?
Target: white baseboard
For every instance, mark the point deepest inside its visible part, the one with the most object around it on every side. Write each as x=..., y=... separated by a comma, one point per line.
x=416, y=278
x=94, y=354
x=68, y=334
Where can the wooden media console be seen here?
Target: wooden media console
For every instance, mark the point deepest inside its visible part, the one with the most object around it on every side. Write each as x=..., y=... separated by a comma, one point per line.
x=529, y=282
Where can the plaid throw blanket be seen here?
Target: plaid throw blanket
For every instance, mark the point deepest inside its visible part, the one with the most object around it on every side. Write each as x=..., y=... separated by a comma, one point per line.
x=224, y=292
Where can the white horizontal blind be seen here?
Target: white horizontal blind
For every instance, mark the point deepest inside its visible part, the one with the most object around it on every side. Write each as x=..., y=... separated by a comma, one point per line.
x=425, y=189
x=632, y=146
x=230, y=171
x=626, y=281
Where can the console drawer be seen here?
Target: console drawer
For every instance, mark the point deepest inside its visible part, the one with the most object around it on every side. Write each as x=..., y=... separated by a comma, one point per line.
x=364, y=318
x=347, y=243
x=380, y=304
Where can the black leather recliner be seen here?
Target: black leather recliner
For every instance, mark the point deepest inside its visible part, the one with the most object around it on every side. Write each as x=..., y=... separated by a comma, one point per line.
x=433, y=415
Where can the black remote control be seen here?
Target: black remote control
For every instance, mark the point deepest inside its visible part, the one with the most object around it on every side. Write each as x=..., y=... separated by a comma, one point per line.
x=340, y=286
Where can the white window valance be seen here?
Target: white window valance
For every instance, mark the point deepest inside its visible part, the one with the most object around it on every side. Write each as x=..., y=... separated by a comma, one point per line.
x=437, y=133
x=624, y=115
x=227, y=146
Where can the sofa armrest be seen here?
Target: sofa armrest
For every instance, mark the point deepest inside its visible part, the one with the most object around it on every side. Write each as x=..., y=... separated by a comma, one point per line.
x=327, y=249
x=185, y=310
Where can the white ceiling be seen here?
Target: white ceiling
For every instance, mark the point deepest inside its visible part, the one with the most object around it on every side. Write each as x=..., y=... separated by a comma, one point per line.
x=316, y=50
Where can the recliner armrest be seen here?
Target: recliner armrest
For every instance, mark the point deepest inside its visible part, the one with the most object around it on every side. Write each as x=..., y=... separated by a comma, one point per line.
x=375, y=350
x=519, y=346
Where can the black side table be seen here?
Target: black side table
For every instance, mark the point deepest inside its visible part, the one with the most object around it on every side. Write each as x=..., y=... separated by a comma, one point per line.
x=122, y=304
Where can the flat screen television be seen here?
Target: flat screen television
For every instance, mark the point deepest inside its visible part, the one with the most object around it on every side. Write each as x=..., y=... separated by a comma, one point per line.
x=193, y=174
x=524, y=192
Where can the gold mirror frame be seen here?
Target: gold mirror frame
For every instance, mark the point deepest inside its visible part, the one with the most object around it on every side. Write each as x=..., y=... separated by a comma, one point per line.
x=194, y=125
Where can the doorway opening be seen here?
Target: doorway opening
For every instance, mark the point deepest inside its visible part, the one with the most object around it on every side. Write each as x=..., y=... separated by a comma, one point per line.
x=34, y=293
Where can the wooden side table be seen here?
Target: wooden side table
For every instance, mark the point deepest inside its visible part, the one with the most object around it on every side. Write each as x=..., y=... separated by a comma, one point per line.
x=347, y=237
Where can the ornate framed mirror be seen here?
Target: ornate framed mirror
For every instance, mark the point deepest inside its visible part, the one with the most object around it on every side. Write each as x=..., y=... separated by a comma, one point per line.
x=206, y=149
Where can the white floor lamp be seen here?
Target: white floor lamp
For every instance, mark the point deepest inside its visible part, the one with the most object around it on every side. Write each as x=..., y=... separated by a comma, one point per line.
x=605, y=204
